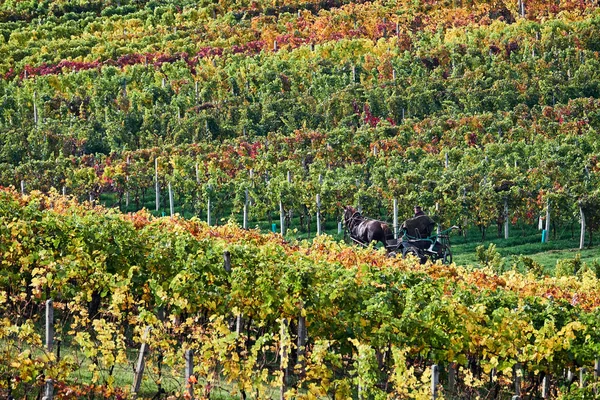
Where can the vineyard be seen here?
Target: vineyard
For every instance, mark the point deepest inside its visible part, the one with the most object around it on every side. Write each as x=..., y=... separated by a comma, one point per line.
x=484, y=112
x=229, y=115
x=372, y=322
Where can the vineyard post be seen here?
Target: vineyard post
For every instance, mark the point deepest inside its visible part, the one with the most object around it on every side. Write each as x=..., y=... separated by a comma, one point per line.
x=545, y=387
x=171, y=205
x=197, y=175
x=582, y=234
x=437, y=211
x=281, y=217
x=239, y=324
x=189, y=372
x=156, y=185
x=395, y=218
x=22, y=187
x=339, y=227
x=517, y=373
x=435, y=380
x=139, y=369
x=451, y=377
x=446, y=160
x=49, y=387
x=582, y=381
x=49, y=390
x=35, y=113
x=208, y=207
x=506, y=218
x=283, y=367
x=301, y=340
x=290, y=215
x=547, y=220
x=64, y=190
x=49, y=325
x=596, y=374
x=318, y=214
x=522, y=7
x=227, y=261
x=227, y=267
x=245, y=220
x=250, y=200
x=127, y=180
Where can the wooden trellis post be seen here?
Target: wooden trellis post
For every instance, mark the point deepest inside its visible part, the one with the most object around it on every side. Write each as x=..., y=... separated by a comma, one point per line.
x=435, y=380
x=301, y=341
x=49, y=385
x=506, y=218
x=156, y=184
x=318, y=214
x=49, y=325
x=245, y=219
x=547, y=221
x=127, y=180
x=171, y=205
x=281, y=217
x=227, y=267
x=395, y=218
x=35, y=113
x=283, y=352
x=208, y=207
x=582, y=234
x=140, y=365
x=189, y=372
x=517, y=373
x=545, y=387
x=582, y=380
x=452, y=377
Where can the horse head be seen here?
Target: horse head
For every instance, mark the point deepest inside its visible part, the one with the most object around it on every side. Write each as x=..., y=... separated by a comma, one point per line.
x=349, y=211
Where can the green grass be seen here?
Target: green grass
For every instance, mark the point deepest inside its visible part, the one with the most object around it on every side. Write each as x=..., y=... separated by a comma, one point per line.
x=172, y=382
x=523, y=239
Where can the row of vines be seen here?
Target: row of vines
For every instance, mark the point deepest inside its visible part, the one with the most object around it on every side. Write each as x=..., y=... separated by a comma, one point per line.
x=374, y=324
x=465, y=118
x=470, y=186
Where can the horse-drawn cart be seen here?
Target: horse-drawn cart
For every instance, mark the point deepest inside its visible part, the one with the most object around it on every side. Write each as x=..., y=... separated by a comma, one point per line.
x=435, y=247
x=363, y=231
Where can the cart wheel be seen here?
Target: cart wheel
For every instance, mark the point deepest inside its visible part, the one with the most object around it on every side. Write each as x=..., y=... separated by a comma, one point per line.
x=446, y=255
x=413, y=252
x=392, y=254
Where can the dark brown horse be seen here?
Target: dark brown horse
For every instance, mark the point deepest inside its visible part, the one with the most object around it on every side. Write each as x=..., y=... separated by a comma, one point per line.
x=365, y=230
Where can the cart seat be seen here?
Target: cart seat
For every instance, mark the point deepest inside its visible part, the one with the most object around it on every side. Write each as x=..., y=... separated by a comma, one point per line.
x=422, y=244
